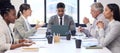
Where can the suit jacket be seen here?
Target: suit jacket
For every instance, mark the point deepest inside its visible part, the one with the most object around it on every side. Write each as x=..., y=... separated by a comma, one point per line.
x=5, y=37
x=92, y=29
x=68, y=20
x=21, y=30
x=111, y=37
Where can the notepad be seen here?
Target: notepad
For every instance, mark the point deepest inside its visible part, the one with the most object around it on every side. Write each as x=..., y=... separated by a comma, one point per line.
x=30, y=49
x=94, y=47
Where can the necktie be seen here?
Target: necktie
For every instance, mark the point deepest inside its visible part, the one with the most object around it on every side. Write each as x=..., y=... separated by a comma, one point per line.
x=60, y=20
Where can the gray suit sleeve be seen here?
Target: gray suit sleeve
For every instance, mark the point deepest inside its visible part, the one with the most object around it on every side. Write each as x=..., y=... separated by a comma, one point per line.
x=72, y=24
x=106, y=39
x=25, y=34
x=50, y=23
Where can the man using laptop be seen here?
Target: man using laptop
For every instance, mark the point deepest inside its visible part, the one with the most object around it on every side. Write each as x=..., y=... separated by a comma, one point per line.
x=61, y=19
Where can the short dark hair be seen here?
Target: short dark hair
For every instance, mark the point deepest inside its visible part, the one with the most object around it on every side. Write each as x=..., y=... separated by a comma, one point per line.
x=5, y=9
x=116, y=12
x=60, y=5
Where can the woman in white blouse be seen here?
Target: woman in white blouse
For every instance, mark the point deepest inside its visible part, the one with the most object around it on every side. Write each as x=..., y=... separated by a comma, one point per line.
x=111, y=36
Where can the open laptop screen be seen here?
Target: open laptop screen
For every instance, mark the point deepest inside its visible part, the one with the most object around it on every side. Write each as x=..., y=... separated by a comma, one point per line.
x=60, y=29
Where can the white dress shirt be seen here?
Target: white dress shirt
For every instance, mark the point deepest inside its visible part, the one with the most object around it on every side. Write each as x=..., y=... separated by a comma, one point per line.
x=0, y=17
x=26, y=22
x=12, y=35
x=62, y=19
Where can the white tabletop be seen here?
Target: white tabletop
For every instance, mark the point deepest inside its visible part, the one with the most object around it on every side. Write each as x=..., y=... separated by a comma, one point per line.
x=64, y=46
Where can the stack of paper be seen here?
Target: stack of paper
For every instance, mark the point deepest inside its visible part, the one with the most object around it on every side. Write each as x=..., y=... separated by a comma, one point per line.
x=30, y=49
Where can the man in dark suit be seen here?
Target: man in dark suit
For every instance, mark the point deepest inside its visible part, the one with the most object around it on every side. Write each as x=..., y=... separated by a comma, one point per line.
x=62, y=19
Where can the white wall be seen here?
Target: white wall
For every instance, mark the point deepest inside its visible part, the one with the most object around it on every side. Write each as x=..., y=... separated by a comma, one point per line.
x=105, y=2
x=17, y=3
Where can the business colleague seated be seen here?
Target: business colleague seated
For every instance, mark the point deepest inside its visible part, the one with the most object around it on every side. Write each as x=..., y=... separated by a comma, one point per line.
x=97, y=14
x=22, y=28
x=111, y=36
x=7, y=40
x=61, y=19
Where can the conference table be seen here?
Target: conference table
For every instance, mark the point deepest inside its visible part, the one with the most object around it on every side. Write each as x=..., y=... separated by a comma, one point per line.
x=64, y=46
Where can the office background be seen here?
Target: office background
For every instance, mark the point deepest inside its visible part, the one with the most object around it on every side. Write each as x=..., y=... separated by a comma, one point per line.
x=43, y=9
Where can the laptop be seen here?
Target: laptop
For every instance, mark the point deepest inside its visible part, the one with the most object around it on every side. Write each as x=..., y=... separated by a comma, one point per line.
x=60, y=29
